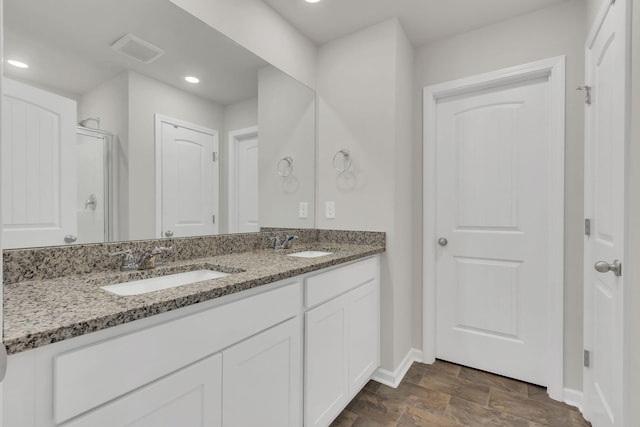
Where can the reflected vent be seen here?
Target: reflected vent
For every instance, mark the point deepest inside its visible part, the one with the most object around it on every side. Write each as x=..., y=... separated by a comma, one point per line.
x=138, y=49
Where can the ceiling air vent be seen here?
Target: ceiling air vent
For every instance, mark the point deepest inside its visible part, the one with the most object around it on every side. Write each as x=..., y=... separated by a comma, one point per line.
x=138, y=49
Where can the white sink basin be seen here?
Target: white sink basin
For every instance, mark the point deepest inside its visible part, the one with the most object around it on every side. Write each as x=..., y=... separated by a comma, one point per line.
x=310, y=254
x=144, y=286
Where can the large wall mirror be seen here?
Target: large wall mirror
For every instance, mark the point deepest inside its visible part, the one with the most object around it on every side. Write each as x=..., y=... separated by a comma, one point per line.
x=132, y=119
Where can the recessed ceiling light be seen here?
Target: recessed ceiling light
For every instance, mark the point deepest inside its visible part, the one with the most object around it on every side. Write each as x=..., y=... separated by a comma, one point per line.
x=192, y=79
x=18, y=64
x=312, y=1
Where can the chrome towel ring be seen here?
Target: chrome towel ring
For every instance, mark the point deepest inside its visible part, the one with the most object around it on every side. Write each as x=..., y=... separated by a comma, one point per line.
x=285, y=167
x=346, y=163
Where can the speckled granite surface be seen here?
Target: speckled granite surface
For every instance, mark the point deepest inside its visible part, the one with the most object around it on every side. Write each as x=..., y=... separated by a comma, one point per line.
x=42, y=311
x=57, y=261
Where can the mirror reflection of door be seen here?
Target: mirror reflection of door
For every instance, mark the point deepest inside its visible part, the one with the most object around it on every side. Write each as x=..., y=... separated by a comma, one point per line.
x=188, y=193
x=38, y=167
x=243, y=181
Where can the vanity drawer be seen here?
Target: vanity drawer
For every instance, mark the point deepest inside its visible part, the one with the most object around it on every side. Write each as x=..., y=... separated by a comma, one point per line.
x=90, y=376
x=324, y=286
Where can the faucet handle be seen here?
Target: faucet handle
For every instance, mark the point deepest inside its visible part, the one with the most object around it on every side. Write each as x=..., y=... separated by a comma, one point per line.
x=158, y=251
x=125, y=254
x=127, y=258
x=277, y=243
x=161, y=249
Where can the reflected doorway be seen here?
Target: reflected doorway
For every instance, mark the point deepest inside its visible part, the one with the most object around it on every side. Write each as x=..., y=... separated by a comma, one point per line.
x=243, y=180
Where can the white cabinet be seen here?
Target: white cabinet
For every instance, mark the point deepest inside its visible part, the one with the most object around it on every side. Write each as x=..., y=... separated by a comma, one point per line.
x=167, y=370
x=341, y=338
x=190, y=397
x=235, y=362
x=262, y=384
x=364, y=336
x=326, y=387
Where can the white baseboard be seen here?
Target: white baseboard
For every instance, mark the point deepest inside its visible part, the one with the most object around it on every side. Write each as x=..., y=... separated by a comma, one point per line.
x=393, y=378
x=574, y=398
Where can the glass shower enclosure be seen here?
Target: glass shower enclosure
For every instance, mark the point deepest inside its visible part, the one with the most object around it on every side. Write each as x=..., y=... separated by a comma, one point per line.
x=95, y=186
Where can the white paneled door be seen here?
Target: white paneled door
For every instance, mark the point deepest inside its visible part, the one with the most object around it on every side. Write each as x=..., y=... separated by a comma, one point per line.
x=606, y=119
x=189, y=180
x=38, y=167
x=243, y=181
x=492, y=226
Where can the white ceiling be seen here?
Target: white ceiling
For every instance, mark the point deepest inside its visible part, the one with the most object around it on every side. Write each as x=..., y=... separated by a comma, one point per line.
x=67, y=45
x=424, y=21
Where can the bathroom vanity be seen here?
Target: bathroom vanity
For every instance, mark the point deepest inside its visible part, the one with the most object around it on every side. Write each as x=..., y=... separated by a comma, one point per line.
x=279, y=341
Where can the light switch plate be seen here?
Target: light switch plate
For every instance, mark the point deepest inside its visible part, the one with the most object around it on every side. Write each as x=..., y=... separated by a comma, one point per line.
x=303, y=210
x=330, y=210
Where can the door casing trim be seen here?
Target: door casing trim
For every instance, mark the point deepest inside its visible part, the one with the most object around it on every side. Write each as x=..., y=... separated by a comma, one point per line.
x=554, y=70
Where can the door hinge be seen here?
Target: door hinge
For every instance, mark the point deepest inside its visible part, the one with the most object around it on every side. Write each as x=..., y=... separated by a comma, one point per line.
x=587, y=358
x=587, y=227
x=587, y=93
x=214, y=219
x=215, y=156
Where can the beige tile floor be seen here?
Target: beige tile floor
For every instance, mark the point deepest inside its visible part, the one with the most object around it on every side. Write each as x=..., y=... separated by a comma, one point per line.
x=448, y=395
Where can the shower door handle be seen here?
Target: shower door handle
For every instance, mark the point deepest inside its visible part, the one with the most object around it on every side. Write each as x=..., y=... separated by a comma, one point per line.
x=69, y=238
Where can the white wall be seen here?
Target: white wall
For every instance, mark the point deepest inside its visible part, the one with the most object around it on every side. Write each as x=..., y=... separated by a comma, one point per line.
x=239, y=115
x=363, y=106
x=286, y=120
x=559, y=30
x=257, y=27
x=109, y=101
x=403, y=195
x=146, y=98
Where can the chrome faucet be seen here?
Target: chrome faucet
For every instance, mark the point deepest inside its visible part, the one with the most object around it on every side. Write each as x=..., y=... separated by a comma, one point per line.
x=147, y=260
x=128, y=262
x=282, y=244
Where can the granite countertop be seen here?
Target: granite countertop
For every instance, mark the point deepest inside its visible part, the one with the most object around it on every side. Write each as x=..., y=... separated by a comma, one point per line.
x=41, y=312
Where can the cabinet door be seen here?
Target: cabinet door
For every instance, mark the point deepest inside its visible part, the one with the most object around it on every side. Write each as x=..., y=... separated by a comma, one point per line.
x=364, y=347
x=262, y=379
x=190, y=397
x=326, y=370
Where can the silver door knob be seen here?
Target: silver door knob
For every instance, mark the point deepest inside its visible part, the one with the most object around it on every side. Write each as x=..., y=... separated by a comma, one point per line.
x=168, y=233
x=70, y=238
x=442, y=241
x=605, y=267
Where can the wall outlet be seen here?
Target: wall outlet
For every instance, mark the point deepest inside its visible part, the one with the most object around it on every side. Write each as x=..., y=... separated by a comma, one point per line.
x=330, y=210
x=303, y=210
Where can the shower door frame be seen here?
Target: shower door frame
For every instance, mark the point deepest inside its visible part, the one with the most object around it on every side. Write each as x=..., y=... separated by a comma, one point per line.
x=109, y=187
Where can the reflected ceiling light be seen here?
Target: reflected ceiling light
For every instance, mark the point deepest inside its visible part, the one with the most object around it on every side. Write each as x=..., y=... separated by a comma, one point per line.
x=312, y=1
x=18, y=64
x=192, y=79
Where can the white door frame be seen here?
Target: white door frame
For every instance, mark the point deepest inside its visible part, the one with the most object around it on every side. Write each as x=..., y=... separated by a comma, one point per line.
x=3, y=350
x=232, y=157
x=554, y=70
x=159, y=120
